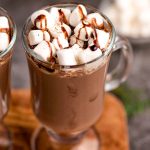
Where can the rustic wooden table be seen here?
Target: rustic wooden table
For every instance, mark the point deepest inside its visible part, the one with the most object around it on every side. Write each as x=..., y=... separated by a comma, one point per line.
x=111, y=127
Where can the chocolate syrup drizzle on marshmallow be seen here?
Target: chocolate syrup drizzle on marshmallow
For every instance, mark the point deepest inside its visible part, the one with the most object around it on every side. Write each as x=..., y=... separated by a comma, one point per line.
x=59, y=43
x=64, y=32
x=40, y=19
x=62, y=17
x=84, y=25
x=5, y=30
x=93, y=48
x=81, y=12
x=51, y=52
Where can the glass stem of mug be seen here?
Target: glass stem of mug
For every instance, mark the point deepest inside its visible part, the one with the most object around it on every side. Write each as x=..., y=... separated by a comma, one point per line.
x=67, y=139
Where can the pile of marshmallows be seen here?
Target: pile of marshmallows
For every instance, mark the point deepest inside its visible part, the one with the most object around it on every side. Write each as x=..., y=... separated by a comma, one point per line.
x=4, y=33
x=130, y=17
x=71, y=37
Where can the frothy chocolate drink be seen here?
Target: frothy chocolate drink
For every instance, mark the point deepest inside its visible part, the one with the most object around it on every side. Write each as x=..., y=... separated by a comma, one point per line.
x=67, y=63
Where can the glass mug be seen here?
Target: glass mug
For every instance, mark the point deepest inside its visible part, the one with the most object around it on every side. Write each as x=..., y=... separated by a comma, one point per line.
x=68, y=105
x=5, y=66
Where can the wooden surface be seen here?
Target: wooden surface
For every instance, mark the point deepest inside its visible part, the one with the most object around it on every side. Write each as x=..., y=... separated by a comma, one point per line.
x=111, y=127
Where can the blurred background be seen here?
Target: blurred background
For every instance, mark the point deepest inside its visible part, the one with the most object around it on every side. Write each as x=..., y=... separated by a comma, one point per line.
x=129, y=19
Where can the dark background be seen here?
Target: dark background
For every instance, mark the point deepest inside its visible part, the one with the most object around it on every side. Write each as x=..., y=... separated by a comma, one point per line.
x=139, y=124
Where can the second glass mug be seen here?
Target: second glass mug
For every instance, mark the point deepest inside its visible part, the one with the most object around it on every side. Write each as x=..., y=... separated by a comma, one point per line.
x=5, y=67
x=67, y=106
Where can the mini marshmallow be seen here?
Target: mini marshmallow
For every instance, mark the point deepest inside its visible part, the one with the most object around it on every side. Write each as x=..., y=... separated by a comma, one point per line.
x=74, y=40
x=4, y=41
x=56, y=44
x=60, y=14
x=88, y=55
x=4, y=22
x=102, y=38
x=60, y=42
x=67, y=30
x=44, y=50
x=95, y=19
x=44, y=21
x=35, y=37
x=76, y=50
x=59, y=29
x=77, y=15
x=56, y=30
x=83, y=31
x=66, y=57
x=46, y=36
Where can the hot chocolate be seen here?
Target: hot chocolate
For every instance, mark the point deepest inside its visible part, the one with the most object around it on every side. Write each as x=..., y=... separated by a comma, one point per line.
x=67, y=104
x=67, y=70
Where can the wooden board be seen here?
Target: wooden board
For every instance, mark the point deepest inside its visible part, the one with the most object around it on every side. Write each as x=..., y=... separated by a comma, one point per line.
x=111, y=127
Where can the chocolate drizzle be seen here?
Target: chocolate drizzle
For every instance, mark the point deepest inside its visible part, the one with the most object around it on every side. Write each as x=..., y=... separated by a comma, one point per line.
x=96, y=40
x=40, y=19
x=106, y=27
x=59, y=43
x=5, y=30
x=84, y=25
x=85, y=45
x=64, y=32
x=82, y=16
x=94, y=23
x=86, y=35
x=93, y=48
x=51, y=52
x=49, y=34
x=32, y=46
x=44, y=36
x=92, y=35
x=79, y=32
x=62, y=17
x=34, y=28
x=51, y=59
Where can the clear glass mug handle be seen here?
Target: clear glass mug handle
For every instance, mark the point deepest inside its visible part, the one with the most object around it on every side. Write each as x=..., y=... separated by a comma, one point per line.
x=120, y=73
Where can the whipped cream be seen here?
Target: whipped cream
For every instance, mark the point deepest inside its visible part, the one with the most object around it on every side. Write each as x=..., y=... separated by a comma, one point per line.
x=4, y=33
x=71, y=37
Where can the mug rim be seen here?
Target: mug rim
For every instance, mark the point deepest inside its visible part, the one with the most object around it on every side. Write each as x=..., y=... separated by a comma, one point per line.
x=30, y=52
x=14, y=29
